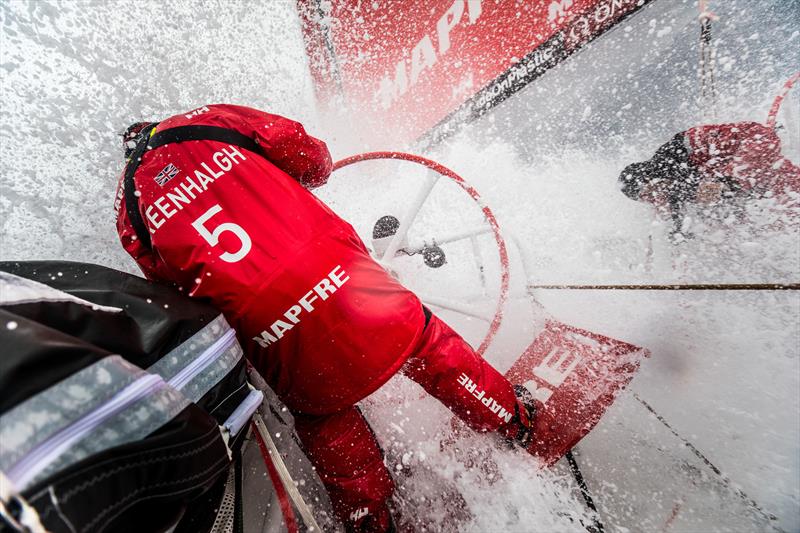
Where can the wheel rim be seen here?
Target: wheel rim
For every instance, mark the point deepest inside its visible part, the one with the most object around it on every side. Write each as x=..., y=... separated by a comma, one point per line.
x=494, y=325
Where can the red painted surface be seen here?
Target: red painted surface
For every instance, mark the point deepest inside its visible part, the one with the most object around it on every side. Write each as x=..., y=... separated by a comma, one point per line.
x=390, y=59
x=576, y=375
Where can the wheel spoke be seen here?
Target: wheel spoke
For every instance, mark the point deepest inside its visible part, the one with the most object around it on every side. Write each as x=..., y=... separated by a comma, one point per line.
x=458, y=307
x=417, y=245
x=431, y=178
x=398, y=241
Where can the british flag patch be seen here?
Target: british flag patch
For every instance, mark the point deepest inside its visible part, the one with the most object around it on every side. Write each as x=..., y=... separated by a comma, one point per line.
x=166, y=174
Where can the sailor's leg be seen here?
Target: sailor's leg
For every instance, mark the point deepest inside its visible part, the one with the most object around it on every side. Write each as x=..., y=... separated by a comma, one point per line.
x=348, y=459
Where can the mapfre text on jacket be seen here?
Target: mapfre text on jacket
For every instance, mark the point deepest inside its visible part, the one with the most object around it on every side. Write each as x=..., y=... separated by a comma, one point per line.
x=323, y=290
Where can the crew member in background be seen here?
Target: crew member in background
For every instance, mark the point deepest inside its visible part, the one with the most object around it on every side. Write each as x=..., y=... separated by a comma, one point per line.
x=708, y=165
x=217, y=201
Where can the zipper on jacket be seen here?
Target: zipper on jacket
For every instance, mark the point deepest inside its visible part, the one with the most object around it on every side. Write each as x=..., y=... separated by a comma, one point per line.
x=41, y=456
x=201, y=362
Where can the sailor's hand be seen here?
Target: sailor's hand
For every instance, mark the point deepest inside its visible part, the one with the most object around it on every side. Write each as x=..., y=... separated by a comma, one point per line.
x=655, y=193
x=708, y=192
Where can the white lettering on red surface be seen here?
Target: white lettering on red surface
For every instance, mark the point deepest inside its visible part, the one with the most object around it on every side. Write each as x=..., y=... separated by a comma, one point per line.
x=554, y=369
x=424, y=55
x=359, y=513
x=195, y=183
x=558, y=10
x=322, y=290
x=196, y=112
x=120, y=196
x=487, y=401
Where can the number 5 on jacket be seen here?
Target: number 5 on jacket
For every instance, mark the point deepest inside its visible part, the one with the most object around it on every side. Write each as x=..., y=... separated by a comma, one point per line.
x=212, y=237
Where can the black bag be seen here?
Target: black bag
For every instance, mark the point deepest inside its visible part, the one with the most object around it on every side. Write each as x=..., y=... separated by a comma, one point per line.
x=123, y=401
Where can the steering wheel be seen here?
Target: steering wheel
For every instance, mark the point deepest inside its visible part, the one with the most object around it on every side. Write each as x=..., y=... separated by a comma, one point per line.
x=390, y=237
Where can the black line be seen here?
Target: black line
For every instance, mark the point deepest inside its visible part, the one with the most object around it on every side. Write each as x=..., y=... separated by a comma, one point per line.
x=469, y=110
x=726, y=481
x=597, y=526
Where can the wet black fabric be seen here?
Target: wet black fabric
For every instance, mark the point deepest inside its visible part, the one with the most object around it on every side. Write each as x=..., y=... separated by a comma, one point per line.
x=155, y=318
x=29, y=347
x=140, y=486
x=670, y=164
x=224, y=397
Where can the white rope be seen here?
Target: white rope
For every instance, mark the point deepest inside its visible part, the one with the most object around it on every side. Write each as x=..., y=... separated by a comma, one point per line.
x=286, y=478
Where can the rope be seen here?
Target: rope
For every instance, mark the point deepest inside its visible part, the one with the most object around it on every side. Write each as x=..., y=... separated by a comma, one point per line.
x=679, y=287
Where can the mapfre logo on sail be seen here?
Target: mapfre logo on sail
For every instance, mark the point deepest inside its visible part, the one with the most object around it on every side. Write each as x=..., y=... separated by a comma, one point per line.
x=424, y=55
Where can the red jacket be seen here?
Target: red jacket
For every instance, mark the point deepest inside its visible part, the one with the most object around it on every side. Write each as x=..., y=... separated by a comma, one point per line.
x=323, y=322
x=749, y=152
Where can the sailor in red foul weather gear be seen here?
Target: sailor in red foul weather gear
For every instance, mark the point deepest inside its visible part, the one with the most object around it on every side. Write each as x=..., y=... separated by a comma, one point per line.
x=712, y=163
x=217, y=201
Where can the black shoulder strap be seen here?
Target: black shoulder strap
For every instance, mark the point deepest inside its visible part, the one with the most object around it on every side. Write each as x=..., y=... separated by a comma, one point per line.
x=131, y=201
x=160, y=138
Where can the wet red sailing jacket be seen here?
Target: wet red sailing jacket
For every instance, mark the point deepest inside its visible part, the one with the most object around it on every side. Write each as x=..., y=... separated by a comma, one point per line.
x=749, y=152
x=323, y=322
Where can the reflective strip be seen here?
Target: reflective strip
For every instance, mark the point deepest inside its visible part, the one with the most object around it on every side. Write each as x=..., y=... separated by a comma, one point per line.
x=179, y=358
x=213, y=373
x=47, y=452
x=15, y=290
x=202, y=361
x=133, y=413
x=134, y=423
x=55, y=408
x=242, y=414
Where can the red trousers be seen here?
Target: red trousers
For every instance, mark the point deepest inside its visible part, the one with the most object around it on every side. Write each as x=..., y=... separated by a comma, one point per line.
x=343, y=448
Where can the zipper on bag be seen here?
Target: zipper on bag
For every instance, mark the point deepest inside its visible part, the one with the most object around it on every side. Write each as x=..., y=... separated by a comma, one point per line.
x=28, y=467
x=201, y=362
x=41, y=456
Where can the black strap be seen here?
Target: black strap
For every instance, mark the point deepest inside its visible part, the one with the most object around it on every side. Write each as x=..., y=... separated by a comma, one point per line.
x=131, y=201
x=160, y=138
x=428, y=315
x=203, y=133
